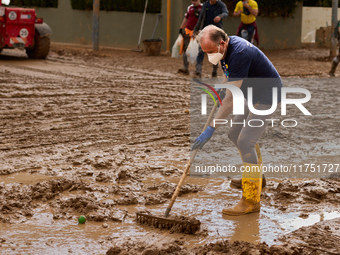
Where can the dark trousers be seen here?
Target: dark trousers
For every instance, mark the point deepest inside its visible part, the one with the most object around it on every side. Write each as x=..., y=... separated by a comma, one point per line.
x=250, y=29
x=186, y=41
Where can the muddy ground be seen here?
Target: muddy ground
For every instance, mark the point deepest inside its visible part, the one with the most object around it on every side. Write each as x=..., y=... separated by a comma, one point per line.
x=107, y=134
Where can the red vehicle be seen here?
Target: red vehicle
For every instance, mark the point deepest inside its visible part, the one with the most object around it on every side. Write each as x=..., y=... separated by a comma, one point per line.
x=20, y=28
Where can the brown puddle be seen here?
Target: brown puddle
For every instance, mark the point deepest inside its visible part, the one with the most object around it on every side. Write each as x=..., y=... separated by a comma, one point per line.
x=24, y=178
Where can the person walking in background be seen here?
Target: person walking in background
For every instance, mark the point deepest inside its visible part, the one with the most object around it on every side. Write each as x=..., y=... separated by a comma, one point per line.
x=213, y=12
x=188, y=24
x=248, y=11
x=336, y=60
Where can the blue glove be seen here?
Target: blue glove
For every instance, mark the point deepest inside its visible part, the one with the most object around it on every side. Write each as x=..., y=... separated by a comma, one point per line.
x=203, y=138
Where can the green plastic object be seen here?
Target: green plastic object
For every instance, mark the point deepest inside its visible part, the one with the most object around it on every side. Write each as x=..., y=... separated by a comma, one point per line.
x=82, y=219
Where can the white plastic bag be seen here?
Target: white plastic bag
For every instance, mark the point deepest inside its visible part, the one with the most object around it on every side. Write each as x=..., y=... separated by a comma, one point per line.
x=177, y=46
x=192, y=51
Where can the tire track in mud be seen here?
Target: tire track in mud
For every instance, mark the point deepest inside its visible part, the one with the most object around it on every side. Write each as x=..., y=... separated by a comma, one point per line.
x=42, y=108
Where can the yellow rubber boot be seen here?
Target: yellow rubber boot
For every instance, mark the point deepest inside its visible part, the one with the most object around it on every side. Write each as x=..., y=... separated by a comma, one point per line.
x=251, y=191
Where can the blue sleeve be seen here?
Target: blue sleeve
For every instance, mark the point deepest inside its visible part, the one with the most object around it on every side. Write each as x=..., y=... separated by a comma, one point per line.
x=225, y=12
x=239, y=66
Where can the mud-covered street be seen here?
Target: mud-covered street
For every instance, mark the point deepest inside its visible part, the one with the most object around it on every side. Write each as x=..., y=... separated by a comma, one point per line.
x=107, y=134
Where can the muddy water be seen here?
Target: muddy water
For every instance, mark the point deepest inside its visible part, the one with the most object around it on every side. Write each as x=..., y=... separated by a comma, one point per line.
x=207, y=206
x=44, y=235
x=24, y=178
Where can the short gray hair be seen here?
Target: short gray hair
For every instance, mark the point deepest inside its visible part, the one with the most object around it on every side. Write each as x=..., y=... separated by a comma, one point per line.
x=215, y=34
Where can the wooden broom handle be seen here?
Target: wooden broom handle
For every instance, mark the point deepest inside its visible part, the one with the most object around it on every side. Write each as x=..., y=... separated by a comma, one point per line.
x=187, y=168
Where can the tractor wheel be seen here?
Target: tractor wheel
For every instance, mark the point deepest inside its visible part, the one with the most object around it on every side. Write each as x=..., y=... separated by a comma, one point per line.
x=41, y=47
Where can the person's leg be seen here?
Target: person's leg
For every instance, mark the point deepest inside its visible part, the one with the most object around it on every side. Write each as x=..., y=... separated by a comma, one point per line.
x=238, y=32
x=251, y=179
x=249, y=135
x=233, y=135
x=199, y=61
x=251, y=30
x=214, y=72
x=185, y=69
x=335, y=63
x=235, y=130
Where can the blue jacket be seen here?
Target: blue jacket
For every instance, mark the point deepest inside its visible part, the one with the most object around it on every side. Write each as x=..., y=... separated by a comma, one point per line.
x=221, y=11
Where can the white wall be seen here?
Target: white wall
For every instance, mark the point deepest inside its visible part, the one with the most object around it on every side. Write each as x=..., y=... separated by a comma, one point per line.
x=313, y=18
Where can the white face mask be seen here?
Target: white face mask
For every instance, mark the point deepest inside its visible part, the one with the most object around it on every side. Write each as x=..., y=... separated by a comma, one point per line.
x=214, y=58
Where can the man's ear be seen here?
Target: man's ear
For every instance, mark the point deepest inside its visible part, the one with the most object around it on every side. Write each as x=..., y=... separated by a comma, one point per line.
x=223, y=43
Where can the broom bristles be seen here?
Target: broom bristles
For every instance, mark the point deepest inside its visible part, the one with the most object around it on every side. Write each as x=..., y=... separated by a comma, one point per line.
x=175, y=225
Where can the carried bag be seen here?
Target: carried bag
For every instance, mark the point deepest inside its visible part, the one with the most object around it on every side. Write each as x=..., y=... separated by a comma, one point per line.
x=192, y=51
x=176, y=47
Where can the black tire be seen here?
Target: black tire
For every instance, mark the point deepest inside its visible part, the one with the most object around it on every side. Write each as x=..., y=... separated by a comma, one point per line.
x=41, y=47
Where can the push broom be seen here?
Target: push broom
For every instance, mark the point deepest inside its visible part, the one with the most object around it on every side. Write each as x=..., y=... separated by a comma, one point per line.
x=181, y=225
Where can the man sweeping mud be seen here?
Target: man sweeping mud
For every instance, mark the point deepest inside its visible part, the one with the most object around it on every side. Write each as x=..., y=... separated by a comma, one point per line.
x=239, y=60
